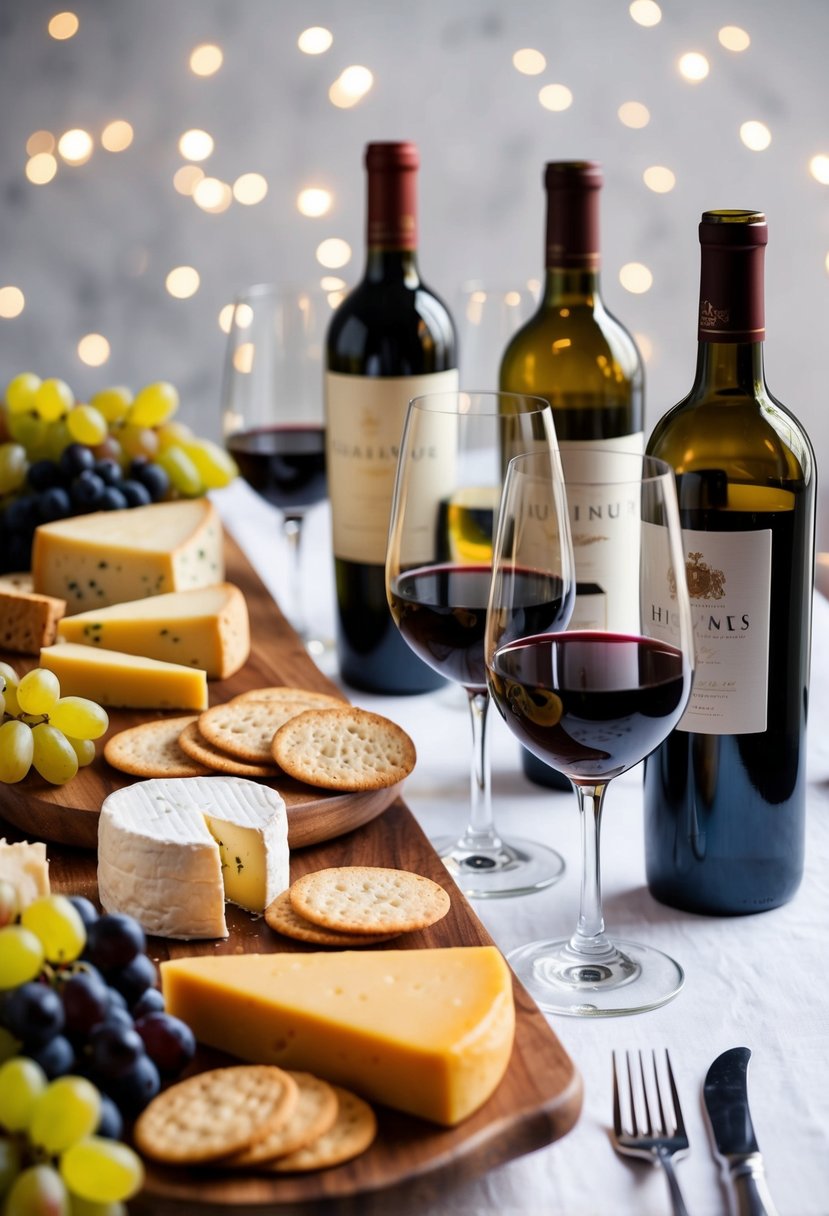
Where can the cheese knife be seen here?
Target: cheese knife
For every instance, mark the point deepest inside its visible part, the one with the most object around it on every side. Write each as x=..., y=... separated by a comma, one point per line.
x=726, y=1104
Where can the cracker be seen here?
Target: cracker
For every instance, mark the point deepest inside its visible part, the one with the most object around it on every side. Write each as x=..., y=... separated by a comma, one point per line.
x=312, y=698
x=344, y=749
x=315, y=1113
x=213, y=1114
x=245, y=729
x=193, y=744
x=369, y=899
x=282, y=918
x=353, y=1131
x=152, y=750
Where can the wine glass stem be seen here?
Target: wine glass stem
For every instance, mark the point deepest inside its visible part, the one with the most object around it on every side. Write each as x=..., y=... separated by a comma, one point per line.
x=292, y=531
x=589, y=937
x=480, y=832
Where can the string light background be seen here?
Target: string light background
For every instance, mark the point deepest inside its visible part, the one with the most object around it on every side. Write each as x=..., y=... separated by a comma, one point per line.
x=156, y=157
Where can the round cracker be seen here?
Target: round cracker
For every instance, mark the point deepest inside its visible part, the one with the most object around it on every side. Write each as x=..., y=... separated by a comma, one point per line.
x=216, y=1113
x=193, y=744
x=343, y=749
x=245, y=729
x=313, y=699
x=151, y=750
x=368, y=899
x=351, y=1134
x=282, y=917
x=315, y=1113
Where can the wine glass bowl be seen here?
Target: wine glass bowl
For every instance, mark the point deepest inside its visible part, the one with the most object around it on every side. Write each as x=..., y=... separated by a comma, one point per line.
x=453, y=453
x=593, y=703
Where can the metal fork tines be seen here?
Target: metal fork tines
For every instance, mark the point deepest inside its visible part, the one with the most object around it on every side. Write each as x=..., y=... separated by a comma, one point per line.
x=638, y=1136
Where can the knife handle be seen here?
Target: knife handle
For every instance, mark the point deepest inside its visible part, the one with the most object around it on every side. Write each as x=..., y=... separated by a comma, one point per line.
x=751, y=1192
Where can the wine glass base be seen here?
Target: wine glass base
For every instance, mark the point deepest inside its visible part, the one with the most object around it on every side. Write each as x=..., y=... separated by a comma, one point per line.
x=514, y=867
x=633, y=979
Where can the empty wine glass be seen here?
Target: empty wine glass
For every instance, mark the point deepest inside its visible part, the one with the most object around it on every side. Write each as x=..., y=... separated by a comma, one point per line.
x=453, y=453
x=593, y=703
x=272, y=412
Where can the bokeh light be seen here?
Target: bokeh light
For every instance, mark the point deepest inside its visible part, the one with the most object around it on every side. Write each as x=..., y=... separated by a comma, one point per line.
x=40, y=141
x=634, y=114
x=206, y=59
x=755, y=135
x=819, y=168
x=182, y=282
x=529, y=62
x=635, y=278
x=243, y=357
x=645, y=12
x=315, y=40
x=314, y=201
x=693, y=66
x=213, y=195
x=250, y=189
x=226, y=318
x=659, y=178
x=117, y=135
x=333, y=253
x=332, y=282
x=41, y=168
x=187, y=178
x=555, y=97
x=12, y=302
x=645, y=346
x=195, y=145
x=63, y=26
x=93, y=350
x=350, y=86
x=75, y=146
x=733, y=38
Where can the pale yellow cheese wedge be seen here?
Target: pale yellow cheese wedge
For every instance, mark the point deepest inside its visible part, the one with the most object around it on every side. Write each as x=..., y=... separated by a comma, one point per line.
x=124, y=680
x=207, y=627
x=426, y=1031
x=26, y=868
x=110, y=557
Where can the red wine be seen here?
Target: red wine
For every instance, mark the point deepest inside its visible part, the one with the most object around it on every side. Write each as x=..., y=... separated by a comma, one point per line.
x=591, y=704
x=441, y=612
x=284, y=464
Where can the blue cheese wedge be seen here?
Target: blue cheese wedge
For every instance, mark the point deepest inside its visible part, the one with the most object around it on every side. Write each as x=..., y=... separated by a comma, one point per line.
x=171, y=851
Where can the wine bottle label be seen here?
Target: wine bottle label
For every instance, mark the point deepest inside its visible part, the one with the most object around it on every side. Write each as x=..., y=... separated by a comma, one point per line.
x=600, y=522
x=365, y=416
x=729, y=583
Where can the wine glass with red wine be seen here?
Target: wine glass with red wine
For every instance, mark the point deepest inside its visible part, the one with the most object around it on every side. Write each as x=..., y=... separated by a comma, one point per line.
x=272, y=411
x=593, y=703
x=453, y=454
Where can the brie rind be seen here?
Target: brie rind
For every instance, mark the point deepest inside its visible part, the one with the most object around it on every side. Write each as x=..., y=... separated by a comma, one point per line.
x=172, y=850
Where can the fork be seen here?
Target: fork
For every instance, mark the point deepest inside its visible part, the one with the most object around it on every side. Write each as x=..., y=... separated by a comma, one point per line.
x=659, y=1144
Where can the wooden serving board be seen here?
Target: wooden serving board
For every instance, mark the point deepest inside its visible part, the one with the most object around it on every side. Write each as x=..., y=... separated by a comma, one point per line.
x=68, y=814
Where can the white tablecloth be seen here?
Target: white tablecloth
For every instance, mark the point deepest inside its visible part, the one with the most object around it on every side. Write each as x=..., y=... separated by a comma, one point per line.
x=759, y=981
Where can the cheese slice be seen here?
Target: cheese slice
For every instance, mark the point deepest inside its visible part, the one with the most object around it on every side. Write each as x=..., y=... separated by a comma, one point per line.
x=26, y=868
x=125, y=680
x=27, y=620
x=207, y=627
x=426, y=1031
x=110, y=557
x=171, y=850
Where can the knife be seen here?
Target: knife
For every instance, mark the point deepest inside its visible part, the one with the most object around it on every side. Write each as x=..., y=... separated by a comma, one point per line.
x=726, y=1103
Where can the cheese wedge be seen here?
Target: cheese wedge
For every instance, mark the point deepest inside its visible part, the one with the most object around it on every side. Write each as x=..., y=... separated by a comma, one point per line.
x=110, y=557
x=426, y=1031
x=172, y=850
x=27, y=620
x=26, y=868
x=124, y=680
x=207, y=627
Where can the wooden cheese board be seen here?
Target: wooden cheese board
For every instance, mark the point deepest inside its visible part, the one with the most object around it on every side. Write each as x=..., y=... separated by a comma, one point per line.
x=69, y=814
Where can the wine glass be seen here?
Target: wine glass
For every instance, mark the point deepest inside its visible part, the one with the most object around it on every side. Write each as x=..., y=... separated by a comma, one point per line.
x=593, y=703
x=453, y=453
x=272, y=412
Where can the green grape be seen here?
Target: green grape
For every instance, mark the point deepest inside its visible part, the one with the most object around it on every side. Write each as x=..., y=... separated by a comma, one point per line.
x=58, y=926
x=110, y=449
x=216, y=467
x=9, y=1046
x=2, y=705
x=113, y=402
x=154, y=404
x=102, y=1170
x=29, y=430
x=53, y=756
x=78, y=1206
x=64, y=1113
x=22, y=1081
x=38, y=1191
x=9, y=1163
x=52, y=399
x=9, y=906
x=79, y=717
x=84, y=749
x=38, y=691
x=21, y=956
x=13, y=467
x=16, y=750
x=87, y=425
x=20, y=393
x=180, y=469
x=174, y=432
x=57, y=438
x=9, y=676
x=138, y=441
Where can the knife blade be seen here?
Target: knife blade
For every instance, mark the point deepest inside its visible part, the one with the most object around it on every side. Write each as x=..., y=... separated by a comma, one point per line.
x=725, y=1094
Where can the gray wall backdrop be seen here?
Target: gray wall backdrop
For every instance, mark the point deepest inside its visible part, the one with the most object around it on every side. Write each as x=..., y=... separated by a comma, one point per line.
x=91, y=249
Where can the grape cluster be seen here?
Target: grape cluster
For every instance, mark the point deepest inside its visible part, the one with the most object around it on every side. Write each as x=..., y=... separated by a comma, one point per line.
x=43, y=730
x=86, y=1043
x=60, y=458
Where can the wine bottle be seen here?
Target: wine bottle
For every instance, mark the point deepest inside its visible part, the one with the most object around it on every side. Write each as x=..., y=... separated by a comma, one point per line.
x=725, y=793
x=584, y=362
x=390, y=339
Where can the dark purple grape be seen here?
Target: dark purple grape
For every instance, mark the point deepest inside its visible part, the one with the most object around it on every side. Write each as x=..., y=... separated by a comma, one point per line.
x=21, y=515
x=33, y=1013
x=118, y=1017
x=134, y=979
x=85, y=909
x=87, y=490
x=153, y=476
x=74, y=458
x=109, y=471
x=43, y=474
x=136, y=494
x=113, y=500
x=170, y=1043
x=15, y=551
x=151, y=1001
x=113, y=1050
x=114, y=940
x=85, y=1002
x=56, y=1058
x=53, y=503
x=111, y=1125
x=136, y=1088
x=117, y=1002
